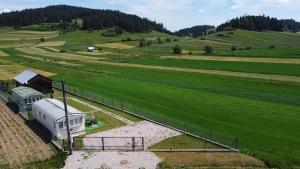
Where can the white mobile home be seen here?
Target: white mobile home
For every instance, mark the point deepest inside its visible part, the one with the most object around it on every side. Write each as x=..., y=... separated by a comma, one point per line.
x=51, y=114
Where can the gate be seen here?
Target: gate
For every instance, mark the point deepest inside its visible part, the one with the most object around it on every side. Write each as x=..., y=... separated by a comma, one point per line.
x=109, y=143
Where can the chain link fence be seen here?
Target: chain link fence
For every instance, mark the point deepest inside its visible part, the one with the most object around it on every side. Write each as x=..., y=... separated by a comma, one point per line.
x=205, y=134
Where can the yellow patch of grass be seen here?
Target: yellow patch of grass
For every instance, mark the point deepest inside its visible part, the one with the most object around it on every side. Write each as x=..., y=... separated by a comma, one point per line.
x=8, y=72
x=116, y=45
x=51, y=43
x=63, y=56
x=52, y=49
x=3, y=53
x=16, y=45
x=221, y=159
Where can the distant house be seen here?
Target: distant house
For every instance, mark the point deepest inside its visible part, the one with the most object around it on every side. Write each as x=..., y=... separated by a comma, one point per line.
x=51, y=114
x=91, y=49
x=23, y=97
x=36, y=81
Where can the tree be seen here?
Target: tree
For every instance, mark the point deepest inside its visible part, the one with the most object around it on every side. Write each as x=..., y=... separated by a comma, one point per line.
x=42, y=39
x=143, y=42
x=208, y=49
x=177, y=49
x=233, y=49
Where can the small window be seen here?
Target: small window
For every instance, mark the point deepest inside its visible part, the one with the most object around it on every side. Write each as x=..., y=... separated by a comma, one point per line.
x=76, y=121
x=25, y=100
x=80, y=120
x=29, y=101
x=71, y=122
x=44, y=117
x=61, y=125
x=54, y=125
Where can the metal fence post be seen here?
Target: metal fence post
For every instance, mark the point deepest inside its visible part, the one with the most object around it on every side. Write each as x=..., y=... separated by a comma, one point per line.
x=133, y=143
x=102, y=138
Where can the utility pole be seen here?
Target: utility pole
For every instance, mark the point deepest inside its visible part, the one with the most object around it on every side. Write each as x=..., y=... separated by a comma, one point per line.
x=67, y=117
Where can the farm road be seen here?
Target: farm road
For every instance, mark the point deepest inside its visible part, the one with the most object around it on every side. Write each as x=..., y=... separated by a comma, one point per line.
x=272, y=77
x=237, y=59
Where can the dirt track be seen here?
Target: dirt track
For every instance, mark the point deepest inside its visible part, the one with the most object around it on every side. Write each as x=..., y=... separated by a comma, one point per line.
x=19, y=144
x=272, y=77
x=237, y=59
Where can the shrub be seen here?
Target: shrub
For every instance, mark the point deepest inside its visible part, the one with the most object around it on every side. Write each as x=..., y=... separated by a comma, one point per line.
x=175, y=40
x=159, y=40
x=143, y=42
x=248, y=48
x=177, y=49
x=62, y=51
x=220, y=35
x=168, y=40
x=208, y=49
x=272, y=47
x=149, y=42
x=233, y=48
x=202, y=38
x=128, y=39
x=42, y=39
x=99, y=48
x=190, y=53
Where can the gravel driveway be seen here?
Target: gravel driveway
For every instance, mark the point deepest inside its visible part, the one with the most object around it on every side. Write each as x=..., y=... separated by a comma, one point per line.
x=151, y=132
x=112, y=160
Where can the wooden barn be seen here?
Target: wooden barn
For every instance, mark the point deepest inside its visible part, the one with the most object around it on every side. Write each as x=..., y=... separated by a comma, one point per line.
x=36, y=81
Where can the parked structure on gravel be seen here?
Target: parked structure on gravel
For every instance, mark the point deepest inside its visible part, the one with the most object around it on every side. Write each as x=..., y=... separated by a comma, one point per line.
x=51, y=114
x=23, y=97
x=31, y=79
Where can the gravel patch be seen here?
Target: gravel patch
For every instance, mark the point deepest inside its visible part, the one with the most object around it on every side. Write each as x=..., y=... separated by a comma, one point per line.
x=112, y=160
x=151, y=132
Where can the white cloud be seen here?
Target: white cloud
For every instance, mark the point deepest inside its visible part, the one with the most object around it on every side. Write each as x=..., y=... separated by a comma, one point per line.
x=5, y=10
x=201, y=10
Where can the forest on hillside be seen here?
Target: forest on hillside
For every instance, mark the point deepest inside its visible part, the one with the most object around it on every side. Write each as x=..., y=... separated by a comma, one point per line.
x=260, y=23
x=92, y=18
x=196, y=31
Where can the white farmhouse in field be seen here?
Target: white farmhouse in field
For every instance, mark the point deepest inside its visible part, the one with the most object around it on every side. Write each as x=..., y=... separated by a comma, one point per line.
x=51, y=114
x=91, y=49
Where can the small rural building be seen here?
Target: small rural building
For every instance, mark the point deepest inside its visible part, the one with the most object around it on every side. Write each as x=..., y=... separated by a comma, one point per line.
x=91, y=49
x=51, y=114
x=36, y=81
x=23, y=97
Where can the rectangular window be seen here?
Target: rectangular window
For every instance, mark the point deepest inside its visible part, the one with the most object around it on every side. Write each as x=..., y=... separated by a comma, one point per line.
x=80, y=120
x=71, y=122
x=76, y=121
x=25, y=100
x=44, y=117
x=29, y=100
x=54, y=124
x=61, y=125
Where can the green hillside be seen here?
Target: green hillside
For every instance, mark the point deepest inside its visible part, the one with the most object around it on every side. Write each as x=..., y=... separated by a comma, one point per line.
x=254, y=98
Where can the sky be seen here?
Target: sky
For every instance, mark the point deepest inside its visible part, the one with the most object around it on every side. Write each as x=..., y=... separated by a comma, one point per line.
x=177, y=14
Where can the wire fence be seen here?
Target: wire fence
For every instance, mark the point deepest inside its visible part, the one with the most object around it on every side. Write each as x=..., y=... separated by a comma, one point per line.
x=206, y=134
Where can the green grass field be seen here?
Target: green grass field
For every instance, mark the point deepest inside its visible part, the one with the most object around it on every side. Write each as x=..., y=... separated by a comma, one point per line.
x=263, y=114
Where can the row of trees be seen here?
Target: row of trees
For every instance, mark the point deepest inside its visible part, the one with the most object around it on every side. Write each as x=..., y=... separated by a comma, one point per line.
x=92, y=18
x=260, y=23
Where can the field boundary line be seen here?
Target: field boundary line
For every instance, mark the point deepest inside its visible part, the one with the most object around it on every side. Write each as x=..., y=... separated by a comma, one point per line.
x=236, y=59
x=230, y=149
x=273, y=77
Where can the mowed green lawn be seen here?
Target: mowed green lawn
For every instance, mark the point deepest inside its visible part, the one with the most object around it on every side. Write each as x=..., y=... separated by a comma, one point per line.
x=266, y=68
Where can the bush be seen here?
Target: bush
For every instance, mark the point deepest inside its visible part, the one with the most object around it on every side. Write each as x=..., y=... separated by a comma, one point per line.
x=177, y=49
x=168, y=40
x=233, y=48
x=149, y=42
x=272, y=47
x=248, y=48
x=220, y=35
x=208, y=49
x=123, y=40
x=62, y=51
x=99, y=48
x=175, y=40
x=143, y=42
x=42, y=39
x=159, y=40
x=202, y=38
x=128, y=39
x=190, y=53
